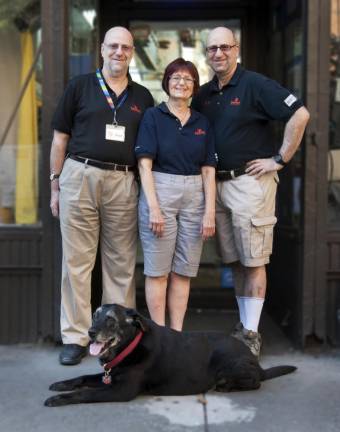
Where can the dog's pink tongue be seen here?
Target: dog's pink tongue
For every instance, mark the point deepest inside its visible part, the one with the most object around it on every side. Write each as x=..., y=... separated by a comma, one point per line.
x=95, y=348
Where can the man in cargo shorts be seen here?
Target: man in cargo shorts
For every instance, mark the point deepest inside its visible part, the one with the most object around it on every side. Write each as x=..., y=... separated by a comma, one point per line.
x=240, y=105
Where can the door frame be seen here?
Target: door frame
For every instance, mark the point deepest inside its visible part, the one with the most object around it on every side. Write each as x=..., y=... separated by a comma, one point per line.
x=315, y=201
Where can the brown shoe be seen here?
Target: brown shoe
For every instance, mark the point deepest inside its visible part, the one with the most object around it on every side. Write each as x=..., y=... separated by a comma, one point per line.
x=250, y=338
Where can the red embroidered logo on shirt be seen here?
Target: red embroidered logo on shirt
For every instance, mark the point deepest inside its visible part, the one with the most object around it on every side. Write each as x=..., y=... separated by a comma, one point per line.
x=199, y=131
x=135, y=108
x=235, y=101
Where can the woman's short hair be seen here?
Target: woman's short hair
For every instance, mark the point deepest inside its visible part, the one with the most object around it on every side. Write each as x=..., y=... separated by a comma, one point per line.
x=177, y=65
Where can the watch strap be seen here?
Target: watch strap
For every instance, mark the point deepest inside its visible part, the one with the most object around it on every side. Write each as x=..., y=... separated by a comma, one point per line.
x=278, y=159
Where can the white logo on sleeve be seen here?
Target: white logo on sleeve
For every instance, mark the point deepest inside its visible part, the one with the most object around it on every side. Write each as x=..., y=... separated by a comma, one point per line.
x=290, y=100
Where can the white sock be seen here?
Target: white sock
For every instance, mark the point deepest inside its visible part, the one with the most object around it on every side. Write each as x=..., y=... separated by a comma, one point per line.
x=241, y=309
x=251, y=312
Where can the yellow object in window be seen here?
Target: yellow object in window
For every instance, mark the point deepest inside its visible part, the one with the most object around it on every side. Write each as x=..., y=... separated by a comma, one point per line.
x=27, y=150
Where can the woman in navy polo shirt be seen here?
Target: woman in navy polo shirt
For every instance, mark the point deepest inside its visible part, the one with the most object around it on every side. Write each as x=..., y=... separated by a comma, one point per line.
x=176, y=159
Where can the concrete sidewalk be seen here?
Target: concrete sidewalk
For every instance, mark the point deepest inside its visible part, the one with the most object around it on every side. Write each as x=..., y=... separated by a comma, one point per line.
x=305, y=401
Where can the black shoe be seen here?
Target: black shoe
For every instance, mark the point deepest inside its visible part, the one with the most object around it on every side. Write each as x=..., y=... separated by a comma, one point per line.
x=72, y=354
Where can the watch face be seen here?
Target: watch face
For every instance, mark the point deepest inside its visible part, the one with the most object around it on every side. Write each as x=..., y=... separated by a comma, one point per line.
x=278, y=159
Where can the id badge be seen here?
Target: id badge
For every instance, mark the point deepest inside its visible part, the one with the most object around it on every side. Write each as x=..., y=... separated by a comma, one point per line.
x=115, y=133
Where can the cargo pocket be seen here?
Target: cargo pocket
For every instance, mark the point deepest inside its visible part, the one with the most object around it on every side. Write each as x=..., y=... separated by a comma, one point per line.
x=261, y=242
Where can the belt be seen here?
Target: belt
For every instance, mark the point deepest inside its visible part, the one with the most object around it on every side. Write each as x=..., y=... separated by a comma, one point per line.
x=102, y=165
x=229, y=175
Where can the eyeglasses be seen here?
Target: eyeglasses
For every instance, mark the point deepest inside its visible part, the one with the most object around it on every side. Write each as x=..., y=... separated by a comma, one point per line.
x=212, y=49
x=177, y=79
x=127, y=49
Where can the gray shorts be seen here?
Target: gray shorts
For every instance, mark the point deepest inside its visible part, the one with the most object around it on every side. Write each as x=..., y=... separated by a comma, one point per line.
x=181, y=200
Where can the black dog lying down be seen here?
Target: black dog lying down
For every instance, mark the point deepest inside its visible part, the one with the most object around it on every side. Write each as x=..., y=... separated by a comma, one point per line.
x=139, y=356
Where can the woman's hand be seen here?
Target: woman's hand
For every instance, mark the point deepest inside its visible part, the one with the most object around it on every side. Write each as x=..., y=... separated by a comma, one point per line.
x=156, y=221
x=208, y=225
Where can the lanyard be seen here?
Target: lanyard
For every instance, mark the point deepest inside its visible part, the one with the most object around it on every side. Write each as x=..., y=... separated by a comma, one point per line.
x=108, y=97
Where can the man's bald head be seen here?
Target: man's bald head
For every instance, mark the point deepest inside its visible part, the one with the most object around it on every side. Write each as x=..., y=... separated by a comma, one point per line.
x=117, y=51
x=222, y=52
x=221, y=33
x=120, y=33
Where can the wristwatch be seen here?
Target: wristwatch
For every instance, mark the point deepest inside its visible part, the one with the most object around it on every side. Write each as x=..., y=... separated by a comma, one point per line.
x=54, y=176
x=278, y=159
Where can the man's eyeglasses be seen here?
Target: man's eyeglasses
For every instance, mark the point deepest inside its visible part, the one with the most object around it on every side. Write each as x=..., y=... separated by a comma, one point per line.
x=177, y=79
x=212, y=49
x=127, y=49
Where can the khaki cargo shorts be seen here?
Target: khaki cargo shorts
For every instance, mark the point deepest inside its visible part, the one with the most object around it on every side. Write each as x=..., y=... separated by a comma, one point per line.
x=245, y=218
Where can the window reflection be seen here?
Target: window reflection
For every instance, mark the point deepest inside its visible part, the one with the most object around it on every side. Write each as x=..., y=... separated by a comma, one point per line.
x=334, y=129
x=158, y=43
x=20, y=66
x=83, y=37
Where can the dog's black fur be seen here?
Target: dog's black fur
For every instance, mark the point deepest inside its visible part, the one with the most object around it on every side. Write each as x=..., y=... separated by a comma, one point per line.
x=165, y=362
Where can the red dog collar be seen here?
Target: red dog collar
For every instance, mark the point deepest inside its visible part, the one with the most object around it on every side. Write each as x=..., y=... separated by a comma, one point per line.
x=120, y=357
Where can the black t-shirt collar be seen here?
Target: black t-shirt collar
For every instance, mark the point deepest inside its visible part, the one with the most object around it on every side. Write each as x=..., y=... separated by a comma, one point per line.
x=233, y=82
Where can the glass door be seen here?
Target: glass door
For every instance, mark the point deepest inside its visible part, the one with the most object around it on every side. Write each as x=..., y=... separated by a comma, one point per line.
x=157, y=44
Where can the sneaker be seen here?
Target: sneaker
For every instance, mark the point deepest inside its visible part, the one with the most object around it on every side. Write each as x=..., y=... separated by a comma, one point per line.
x=250, y=338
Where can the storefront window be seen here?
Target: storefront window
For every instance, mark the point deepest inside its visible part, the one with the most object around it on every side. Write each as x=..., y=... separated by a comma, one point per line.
x=20, y=89
x=83, y=37
x=334, y=127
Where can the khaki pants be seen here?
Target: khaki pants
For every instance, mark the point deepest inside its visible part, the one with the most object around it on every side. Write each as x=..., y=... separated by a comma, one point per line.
x=95, y=204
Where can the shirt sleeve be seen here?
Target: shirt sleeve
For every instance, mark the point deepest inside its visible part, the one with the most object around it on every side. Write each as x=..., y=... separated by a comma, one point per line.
x=211, y=155
x=275, y=101
x=64, y=114
x=146, y=143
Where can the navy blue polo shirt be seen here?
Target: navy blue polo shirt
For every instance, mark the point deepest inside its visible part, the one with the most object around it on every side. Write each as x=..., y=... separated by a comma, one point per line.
x=175, y=149
x=240, y=114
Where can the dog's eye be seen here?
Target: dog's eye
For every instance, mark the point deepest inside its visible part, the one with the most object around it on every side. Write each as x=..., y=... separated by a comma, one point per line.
x=110, y=321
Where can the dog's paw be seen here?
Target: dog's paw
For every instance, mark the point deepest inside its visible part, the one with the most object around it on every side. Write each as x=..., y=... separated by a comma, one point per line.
x=55, y=401
x=62, y=386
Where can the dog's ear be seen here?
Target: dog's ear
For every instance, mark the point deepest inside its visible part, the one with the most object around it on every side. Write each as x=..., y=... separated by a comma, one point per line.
x=134, y=318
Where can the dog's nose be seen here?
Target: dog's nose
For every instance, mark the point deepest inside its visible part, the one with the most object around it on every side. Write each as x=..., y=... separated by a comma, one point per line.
x=92, y=333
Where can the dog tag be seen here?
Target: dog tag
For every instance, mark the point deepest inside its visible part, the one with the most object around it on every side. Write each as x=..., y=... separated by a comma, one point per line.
x=115, y=133
x=107, y=378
